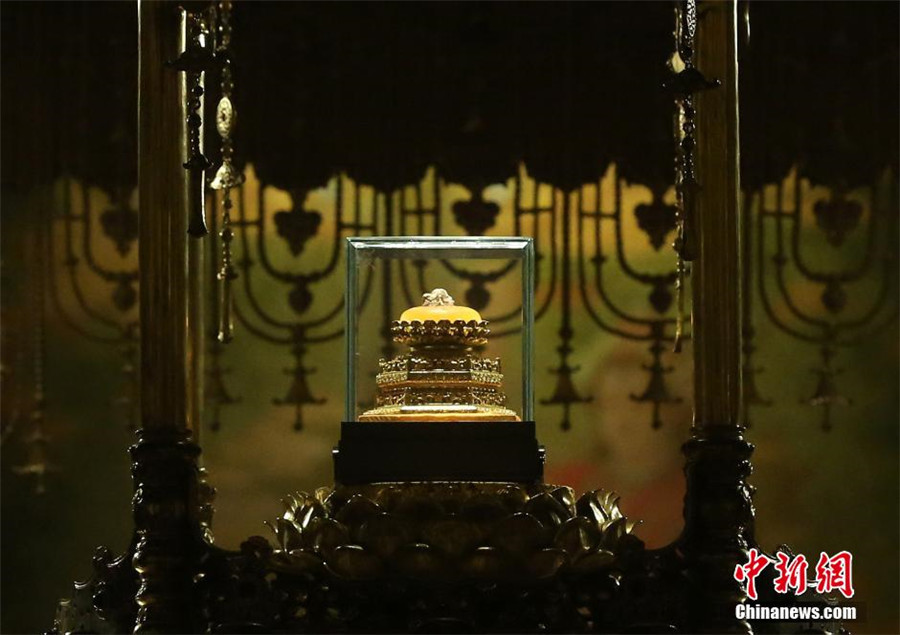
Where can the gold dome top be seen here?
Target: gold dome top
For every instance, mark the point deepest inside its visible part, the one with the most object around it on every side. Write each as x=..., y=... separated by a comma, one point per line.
x=439, y=305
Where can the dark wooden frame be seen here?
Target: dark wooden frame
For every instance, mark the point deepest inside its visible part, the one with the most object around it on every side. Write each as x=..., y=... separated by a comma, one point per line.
x=168, y=508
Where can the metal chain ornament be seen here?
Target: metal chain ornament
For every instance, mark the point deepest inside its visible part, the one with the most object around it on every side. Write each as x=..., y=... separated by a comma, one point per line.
x=208, y=47
x=227, y=177
x=684, y=84
x=36, y=463
x=194, y=61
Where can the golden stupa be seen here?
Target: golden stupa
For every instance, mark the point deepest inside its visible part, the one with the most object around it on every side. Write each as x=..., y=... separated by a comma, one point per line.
x=443, y=377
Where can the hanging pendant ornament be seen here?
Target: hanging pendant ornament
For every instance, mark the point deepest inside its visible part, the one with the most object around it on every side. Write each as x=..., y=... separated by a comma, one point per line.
x=227, y=176
x=36, y=465
x=684, y=83
x=194, y=62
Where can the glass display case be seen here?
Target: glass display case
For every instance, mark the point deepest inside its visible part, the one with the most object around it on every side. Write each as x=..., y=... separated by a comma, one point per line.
x=452, y=349
x=439, y=338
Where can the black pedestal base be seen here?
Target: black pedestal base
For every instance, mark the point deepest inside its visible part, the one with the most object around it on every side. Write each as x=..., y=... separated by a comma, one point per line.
x=377, y=452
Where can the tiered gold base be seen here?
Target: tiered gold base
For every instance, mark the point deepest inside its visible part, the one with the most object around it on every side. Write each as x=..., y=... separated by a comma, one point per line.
x=445, y=413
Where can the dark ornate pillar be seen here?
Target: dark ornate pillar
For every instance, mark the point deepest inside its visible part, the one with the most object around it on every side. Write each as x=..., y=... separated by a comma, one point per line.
x=166, y=507
x=718, y=511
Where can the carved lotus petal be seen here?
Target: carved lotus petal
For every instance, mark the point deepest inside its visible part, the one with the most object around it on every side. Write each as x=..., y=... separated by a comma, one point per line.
x=357, y=510
x=599, y=559
x=429, y=332
x=549, y=511
x=293, y=503
x=614, y=505
x=290, y=506
x=418, y=507
x=449, y=496
x=566, y=497
x=513, y=497
x=520, y=533
x=451, y=537
x=298, y=561
x=419, y=561
x=483, y=507
x=577, y=536
x=595, y=506
x=545, y=563
x=353, y=562
x=486, y=563
x=613, y=532
x=307, y=512
x=388, y=497
x=256, y=547
x=323, y=535
x=383, y=534
x=287, y=534
x=323, y=494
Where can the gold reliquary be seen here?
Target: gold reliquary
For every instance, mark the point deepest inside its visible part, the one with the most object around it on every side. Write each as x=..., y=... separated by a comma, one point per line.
x=441, y=391
x=443, y=376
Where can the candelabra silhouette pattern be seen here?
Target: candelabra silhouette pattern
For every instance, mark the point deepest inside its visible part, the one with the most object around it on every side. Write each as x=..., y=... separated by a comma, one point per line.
x=783, y=220
x=74, y=266
x=574, y=251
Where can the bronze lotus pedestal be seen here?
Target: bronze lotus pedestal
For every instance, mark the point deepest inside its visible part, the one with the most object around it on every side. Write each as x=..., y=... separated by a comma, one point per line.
x=448, y=557
x=439, y=520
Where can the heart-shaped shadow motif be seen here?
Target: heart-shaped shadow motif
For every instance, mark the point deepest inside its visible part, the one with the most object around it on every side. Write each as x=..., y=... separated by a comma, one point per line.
x=297, y=227
x=657, y=220
x=837, y=218
x=476, y=215
x=120, y=224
